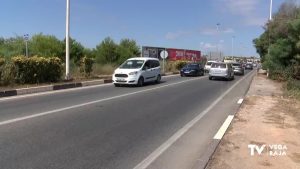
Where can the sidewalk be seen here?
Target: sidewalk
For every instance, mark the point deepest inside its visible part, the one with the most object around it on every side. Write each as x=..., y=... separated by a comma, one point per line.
x=268, y=125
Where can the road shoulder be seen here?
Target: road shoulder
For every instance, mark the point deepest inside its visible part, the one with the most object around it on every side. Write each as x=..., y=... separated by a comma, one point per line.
x=266, y=119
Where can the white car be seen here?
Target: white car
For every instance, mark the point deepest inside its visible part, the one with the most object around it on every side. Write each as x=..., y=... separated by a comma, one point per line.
x=208, y=65
x=137, y=71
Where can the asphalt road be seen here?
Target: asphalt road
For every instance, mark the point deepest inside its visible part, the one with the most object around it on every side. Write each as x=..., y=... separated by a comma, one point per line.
x=104, y=127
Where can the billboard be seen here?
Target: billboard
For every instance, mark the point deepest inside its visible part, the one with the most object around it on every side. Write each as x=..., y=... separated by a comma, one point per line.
x=173, y=54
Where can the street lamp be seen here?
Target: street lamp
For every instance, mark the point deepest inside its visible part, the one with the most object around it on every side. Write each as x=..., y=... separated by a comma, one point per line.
x=232, y=38
x=26, y=38
x=67, y=40
x=218, y=25
x=271, y=6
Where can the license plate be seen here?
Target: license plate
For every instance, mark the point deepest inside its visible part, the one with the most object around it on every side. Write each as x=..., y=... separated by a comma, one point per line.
x=186, y=72
x=121, y=79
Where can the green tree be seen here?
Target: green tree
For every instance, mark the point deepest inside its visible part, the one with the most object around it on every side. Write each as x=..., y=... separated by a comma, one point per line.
x=106, y=51
x=12, y=46
x=76, y=51
x=46, y=46
x=127, y=49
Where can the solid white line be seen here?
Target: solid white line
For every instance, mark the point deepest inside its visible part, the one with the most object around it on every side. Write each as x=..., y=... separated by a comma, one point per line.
x=223, y=128
x=92, y=102
x=62, y=91
x=156, y=153
x=240, y=101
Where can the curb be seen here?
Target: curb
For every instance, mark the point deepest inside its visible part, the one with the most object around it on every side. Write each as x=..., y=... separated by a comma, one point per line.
x=32, y=90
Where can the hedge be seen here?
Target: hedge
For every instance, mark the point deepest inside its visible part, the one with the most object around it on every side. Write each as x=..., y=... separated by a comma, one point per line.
x=37, y=69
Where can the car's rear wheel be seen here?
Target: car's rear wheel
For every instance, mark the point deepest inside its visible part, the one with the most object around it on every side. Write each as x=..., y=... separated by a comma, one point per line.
x=210, y=77
x=140, y=82
x=158, y=79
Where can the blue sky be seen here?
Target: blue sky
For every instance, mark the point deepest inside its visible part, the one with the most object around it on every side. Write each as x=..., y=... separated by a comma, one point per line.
x=189, y=24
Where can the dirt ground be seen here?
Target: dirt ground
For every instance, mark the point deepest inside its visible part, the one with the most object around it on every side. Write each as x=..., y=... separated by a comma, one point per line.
x=265, y=118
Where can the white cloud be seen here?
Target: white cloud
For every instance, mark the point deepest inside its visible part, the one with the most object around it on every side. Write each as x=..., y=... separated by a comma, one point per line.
x=214, y=31
x=176, y=35
x=247, y=9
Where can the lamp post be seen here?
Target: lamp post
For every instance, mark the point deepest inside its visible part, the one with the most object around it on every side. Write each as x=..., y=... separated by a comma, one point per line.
x=232, y=38
x=26, y=38
x=67, y=40
x=271, y=6
x=217, y=46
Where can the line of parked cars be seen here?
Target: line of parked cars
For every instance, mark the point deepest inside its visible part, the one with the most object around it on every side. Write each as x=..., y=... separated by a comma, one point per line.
x=139, y=70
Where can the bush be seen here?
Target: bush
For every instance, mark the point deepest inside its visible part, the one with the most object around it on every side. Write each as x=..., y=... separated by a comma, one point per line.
x=180, y=64
x=8, y=74
x=86, y=65
x=37, y=69
x=2, y=62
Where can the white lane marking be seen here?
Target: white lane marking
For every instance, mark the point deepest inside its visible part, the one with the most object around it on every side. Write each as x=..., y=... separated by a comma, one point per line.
x=92, y=102
x=240, y=101
x=62, y=91
x=156, y=153
x=223, y=128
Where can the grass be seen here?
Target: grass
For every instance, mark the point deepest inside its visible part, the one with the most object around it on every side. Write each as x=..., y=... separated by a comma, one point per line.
x=293, y=88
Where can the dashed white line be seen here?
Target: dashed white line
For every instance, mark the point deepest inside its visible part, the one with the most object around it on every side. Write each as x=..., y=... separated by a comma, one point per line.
x=240, y=101
x=223, y=128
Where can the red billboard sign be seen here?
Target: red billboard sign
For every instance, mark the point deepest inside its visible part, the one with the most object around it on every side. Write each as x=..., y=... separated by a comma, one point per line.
x=181, y=54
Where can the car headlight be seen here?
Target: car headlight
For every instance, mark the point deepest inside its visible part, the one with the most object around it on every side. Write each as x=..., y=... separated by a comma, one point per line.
x=133, y=73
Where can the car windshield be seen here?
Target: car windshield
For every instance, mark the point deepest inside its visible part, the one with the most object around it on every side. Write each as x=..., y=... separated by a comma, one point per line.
x=132, y=64
x=191, y=66
x=218, y=65
x=209, y=63
x=236, y=64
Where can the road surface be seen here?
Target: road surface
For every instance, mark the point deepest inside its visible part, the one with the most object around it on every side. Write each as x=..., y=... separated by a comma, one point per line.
x=105, y=127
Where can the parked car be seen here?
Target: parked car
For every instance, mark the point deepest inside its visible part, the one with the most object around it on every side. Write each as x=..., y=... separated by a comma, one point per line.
x=238, y=68
x=249, y=66
x=192, y=69
x=208, y=65
x=137, y=71
x=221, y=70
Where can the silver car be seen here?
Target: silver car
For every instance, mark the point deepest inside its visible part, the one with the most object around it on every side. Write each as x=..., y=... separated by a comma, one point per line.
x=221, y=70
x=238, y=69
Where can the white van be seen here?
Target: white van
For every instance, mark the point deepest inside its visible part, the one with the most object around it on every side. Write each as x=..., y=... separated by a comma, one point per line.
x=137, y=71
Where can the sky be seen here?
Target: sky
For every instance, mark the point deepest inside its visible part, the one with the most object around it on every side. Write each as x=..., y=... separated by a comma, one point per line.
x=184, y=24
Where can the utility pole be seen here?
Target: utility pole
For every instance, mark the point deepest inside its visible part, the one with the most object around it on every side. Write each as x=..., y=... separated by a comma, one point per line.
x=271, y=6
x=26, y=38
x=218, y=53
x=232, y=38
x=67, y=40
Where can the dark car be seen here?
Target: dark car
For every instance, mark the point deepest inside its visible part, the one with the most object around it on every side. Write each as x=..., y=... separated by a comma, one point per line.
x=192, y=69
x=238, y=68
x=249, y=66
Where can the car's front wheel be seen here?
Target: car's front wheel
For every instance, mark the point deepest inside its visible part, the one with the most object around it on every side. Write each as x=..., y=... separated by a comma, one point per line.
x=210, y=78
x=117, y=85
x=158, y=79
x=140, y=82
